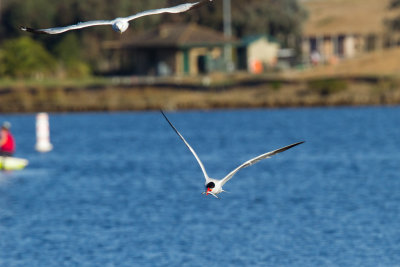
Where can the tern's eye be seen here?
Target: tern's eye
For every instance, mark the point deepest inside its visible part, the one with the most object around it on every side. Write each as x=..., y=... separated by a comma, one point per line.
x=210, y=185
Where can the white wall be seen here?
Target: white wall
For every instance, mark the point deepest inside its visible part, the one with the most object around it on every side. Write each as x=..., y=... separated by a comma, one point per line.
x=264, y=51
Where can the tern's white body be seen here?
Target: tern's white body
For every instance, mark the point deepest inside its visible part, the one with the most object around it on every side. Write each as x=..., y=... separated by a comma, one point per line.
x=214, y=186
x=119, y=24
x=217, y=186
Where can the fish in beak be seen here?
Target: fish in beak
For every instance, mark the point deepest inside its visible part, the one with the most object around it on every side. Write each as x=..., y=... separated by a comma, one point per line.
x=208, y=191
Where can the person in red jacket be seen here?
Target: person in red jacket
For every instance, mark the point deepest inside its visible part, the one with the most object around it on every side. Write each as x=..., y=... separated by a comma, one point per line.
x=7, y=144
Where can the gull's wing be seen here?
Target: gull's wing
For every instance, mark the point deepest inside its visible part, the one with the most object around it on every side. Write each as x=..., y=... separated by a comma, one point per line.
x=79, y=25
x=190, y=148
x=175, y=9
x=257, y=159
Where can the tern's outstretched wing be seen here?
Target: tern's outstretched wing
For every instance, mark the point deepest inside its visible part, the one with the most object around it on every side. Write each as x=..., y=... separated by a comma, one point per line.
x=190, y=148
x=79, y=25
x=175, y=9
x=257, y=159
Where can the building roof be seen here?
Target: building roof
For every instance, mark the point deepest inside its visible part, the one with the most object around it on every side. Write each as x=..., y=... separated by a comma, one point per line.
x=345, y=16
x=174, y=35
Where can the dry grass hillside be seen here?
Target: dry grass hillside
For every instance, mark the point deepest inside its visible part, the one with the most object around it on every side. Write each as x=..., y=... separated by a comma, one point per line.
x=352, y=17
x=377, y=63
x=345, y=16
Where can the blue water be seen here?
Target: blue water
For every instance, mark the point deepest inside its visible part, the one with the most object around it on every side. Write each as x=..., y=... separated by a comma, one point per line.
x=121, y=189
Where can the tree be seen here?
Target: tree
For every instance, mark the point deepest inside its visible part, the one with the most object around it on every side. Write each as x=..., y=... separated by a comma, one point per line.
x=392, y=25
x=394, y=4
x=279, y=18
x=37, y=13
x=69, y=53
x=25, y=58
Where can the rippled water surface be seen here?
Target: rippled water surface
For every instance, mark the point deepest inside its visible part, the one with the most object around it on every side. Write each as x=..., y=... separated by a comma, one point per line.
x=121, y=189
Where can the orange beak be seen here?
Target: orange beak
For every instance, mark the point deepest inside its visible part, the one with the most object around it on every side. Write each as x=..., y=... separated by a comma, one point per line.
x=208, y=190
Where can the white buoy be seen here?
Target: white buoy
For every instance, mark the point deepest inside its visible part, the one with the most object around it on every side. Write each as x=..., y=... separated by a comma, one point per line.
x=43, y=133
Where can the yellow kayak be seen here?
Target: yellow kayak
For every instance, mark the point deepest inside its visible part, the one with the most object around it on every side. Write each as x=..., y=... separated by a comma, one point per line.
x=11, y=163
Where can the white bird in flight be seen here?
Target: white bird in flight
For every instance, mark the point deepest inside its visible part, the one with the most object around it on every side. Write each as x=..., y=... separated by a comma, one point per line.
x=214, y=186
x=119, y=24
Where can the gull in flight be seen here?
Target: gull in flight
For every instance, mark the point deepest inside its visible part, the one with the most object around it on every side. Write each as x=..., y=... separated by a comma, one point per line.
x=214, y=186
x=119, y=24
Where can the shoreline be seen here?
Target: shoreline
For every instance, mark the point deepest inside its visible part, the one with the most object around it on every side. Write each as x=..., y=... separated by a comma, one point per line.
x=276, y=92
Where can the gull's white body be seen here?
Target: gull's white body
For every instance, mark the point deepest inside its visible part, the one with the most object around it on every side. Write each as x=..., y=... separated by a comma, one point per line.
x=214, y=186
x=119, y=24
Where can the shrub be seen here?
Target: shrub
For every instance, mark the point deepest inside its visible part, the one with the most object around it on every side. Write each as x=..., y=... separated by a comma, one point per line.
x=68, y=52
x=327, y=87
x=25, y=58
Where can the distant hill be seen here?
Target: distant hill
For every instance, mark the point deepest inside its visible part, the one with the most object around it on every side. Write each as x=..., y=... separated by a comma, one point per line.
x=377, y=63
x=362, y=17
x=345, y=16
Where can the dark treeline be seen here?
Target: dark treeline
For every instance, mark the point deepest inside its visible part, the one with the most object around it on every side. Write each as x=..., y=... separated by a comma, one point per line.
x=81, y=50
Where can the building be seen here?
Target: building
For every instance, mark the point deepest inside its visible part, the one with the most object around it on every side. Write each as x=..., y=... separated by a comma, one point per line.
x=339, y=29
x=171, y=49
x=257, y=53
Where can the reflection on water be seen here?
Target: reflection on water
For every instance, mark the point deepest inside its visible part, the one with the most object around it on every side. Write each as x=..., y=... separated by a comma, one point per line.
x=121, y=189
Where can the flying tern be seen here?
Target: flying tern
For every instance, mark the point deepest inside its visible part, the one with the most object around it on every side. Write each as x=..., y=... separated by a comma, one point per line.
x=118, y=24
x=214, y=186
